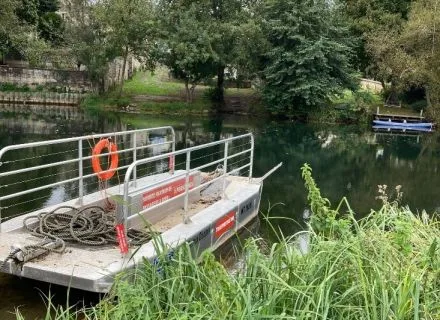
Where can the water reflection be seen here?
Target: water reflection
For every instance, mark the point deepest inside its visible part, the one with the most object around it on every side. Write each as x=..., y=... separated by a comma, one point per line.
x=346, y=161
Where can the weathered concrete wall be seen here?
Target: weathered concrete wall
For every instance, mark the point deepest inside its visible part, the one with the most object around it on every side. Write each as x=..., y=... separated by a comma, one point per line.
x=76, y=81
x=114, y=74
x=45, y=98
x=371, y=85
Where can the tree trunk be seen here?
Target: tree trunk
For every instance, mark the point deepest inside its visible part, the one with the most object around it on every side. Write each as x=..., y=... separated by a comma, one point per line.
x=187, y=92
x=193, y=87
x=124, y=63
x=220, y=97
x=428, y=97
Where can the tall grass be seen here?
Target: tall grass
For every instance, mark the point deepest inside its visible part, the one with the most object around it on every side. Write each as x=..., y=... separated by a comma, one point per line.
x=385, y=266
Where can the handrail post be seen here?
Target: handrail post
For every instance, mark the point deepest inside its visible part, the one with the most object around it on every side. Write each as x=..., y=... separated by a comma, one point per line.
x=134, y=142
x=225, y=168
x=174, y=139
x=173, y=149
x=80, y=173
x=125, y=202
x=188, y=167
x=251, y=157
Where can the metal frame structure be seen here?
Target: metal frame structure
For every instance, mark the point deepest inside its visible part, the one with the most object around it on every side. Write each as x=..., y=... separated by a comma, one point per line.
x=188, y=171
x=80, y=158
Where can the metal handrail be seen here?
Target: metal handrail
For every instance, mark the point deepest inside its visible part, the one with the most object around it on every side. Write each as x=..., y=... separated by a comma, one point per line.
x=80, y=158
x=188, y=170
x=73, y=139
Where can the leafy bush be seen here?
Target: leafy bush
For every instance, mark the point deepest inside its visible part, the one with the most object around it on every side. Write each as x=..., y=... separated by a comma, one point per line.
x=13, y=87
x=213, y=94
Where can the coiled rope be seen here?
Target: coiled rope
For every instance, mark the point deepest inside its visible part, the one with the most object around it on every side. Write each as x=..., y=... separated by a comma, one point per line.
x=91, y=226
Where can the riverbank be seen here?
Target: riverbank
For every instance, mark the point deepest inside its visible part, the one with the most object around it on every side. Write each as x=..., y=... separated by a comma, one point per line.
x=384, y=266
x=159, y=94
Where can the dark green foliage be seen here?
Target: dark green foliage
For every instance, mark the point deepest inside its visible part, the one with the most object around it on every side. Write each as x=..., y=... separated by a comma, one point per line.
x=366, y=19
x=28, y=26
x=5, y=86
x=48, y=6
x=186, y=43
x=42, y=15
x=203, y=38
x=309, y=55
x=51, y=28
x=28, y=11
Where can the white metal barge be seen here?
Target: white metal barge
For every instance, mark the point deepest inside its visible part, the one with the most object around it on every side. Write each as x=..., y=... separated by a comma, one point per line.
x=196, y=195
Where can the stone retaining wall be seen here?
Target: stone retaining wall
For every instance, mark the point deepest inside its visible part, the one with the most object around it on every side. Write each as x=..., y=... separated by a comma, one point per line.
x=46, y=98
x=70, y=80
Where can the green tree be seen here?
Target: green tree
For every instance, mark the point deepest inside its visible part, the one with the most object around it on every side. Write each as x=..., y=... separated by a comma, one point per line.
x=231, y=30
x=186, y=43
x=104, y=30
x=8, y=21
x=88, y=43
x=410, y=56
x=368, y=18
x=309, y=58
x=18, y=35
x=42, y=15
x=130, y=27
x=207, y=37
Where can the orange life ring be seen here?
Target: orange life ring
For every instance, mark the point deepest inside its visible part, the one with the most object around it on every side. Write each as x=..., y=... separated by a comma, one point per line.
x=96, y=165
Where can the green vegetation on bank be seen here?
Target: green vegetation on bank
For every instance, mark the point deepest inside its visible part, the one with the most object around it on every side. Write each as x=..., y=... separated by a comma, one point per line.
x=159, y=93
x=154, y=84
x=384, y=266
x=161, y=83
x=12, y=87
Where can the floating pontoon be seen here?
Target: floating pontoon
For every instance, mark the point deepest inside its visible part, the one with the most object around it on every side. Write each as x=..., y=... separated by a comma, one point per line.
x=403, y=124
x=382, y=128
x=201, y=195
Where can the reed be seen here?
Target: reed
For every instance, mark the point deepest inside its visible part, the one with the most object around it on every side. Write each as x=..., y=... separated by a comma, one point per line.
x=384, y=266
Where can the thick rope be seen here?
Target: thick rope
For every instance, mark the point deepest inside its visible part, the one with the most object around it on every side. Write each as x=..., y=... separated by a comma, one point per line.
x=91, y=226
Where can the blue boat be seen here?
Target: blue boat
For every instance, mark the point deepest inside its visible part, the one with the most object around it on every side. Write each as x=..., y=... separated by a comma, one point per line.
x=402, y=129
x=403, y=125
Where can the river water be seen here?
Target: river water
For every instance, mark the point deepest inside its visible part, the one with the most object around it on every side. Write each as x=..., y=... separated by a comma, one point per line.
x=346, y=160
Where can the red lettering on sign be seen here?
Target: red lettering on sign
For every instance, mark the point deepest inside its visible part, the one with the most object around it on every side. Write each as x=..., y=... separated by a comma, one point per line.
x=122, y=239
x=224, y=224
x=165, y=192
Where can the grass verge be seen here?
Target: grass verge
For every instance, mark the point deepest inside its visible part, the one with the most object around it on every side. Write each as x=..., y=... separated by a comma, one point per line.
x=385, y=266
x=157, y=93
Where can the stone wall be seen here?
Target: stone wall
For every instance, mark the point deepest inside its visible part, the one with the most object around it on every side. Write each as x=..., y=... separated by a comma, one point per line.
x=45, y=98
x=69, y=80
x=371, y=85
x=114, y=73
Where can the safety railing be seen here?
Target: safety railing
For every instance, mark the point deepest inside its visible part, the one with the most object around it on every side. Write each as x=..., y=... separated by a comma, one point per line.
x=37, y=174
x=234, y=156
